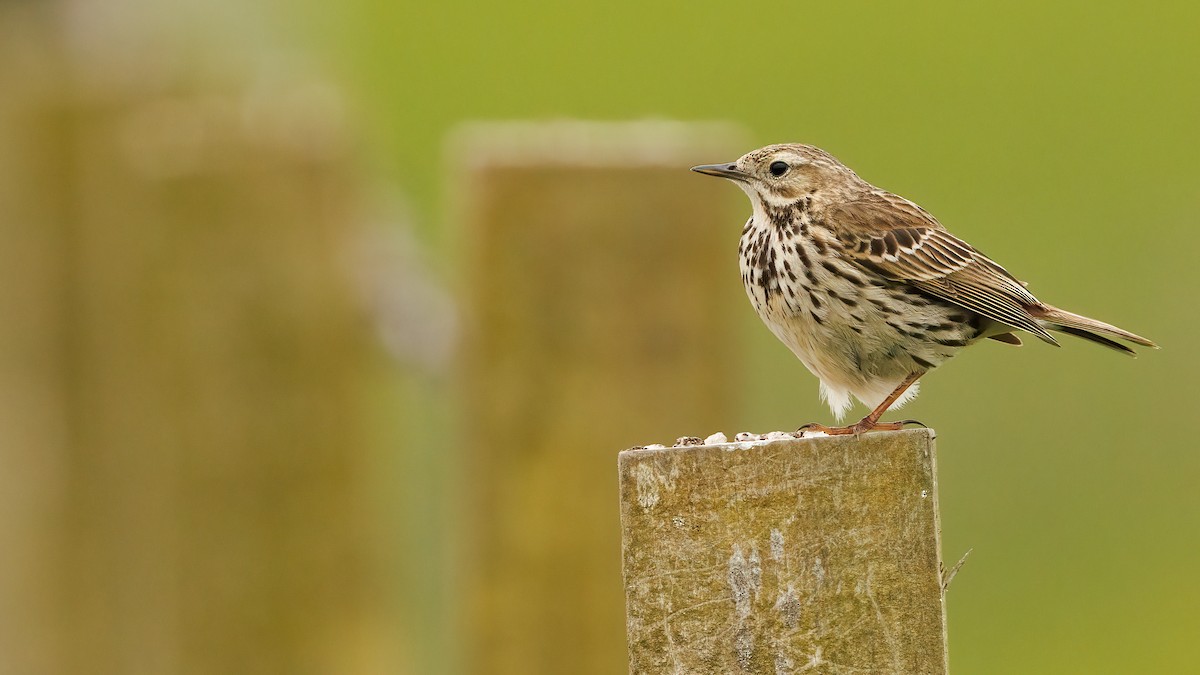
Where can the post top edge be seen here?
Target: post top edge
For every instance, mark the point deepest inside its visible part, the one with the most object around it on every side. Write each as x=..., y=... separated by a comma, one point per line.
x=641, y=450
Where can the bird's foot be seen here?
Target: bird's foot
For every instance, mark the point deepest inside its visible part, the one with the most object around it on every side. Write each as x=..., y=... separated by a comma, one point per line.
x=832, y=431
x=861, y=427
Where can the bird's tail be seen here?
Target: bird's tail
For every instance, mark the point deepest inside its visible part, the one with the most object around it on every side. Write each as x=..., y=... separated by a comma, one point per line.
x=1061, y=320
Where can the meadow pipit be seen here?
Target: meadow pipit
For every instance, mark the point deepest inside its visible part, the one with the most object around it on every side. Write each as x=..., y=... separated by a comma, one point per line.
x=867, y=288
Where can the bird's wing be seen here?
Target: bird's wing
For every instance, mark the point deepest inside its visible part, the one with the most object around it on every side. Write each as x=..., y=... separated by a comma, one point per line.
x=901, y=241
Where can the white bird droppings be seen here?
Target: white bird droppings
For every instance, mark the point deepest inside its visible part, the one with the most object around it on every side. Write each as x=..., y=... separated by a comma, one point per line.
x=788, y=606
x=776, y=545
x=646, y=483
x=716, y=439
x=744, y=579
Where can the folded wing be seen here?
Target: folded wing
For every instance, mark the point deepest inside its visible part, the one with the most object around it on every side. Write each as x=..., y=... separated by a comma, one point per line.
x=901, y=241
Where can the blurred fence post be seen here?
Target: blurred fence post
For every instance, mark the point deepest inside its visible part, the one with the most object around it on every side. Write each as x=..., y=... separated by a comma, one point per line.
x=183, y=441
x=801, y=555
x=33, y=373
x=598, y=277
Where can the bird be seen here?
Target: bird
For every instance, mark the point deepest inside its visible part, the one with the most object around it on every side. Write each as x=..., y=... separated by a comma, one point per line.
x=868, y=289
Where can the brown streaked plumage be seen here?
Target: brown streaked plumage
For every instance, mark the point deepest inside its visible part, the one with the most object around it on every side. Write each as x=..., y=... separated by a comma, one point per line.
x=867, y=288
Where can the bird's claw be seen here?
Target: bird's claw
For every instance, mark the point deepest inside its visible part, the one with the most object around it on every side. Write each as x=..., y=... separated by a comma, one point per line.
x=861, y=427
x=832, y=431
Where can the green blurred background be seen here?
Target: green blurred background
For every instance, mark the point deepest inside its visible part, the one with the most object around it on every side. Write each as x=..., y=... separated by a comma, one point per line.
x=1062, y=139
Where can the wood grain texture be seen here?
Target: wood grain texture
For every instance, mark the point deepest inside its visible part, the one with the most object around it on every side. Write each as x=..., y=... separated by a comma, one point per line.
x=805, y=555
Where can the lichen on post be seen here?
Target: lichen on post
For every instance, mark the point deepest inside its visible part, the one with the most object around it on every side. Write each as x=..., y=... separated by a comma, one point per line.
x=797, y=555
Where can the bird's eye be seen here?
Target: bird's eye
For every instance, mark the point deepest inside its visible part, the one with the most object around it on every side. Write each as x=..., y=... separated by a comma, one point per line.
x=777, y=169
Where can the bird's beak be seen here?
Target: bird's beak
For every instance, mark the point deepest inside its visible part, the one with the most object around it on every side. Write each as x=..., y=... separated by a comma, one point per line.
x=729, y=171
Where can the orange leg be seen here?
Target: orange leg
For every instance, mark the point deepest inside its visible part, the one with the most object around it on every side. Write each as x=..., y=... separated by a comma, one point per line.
x=871, y=422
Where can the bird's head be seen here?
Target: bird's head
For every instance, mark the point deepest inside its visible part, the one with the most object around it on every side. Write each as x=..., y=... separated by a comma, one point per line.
x=779, y=175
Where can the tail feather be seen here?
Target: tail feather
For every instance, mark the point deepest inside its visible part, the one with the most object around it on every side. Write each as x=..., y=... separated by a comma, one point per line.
x=1063, y=321
x=1098, y=339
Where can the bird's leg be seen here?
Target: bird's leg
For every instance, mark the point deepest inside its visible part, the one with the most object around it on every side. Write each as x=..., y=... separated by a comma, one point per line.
x=871, y=422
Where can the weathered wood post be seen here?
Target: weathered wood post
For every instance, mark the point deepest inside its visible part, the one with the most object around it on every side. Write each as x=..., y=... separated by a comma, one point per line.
x=184, y=376
x=798, y=555
x=591, y=256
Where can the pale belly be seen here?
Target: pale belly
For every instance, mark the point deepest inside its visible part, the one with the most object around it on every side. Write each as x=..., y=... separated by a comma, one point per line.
x=859, y=339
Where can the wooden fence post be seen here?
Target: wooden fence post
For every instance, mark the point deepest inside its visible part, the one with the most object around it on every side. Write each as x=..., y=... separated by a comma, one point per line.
x=591, y=255
x=799, y=555
x=33, y=336
x=185, y=375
